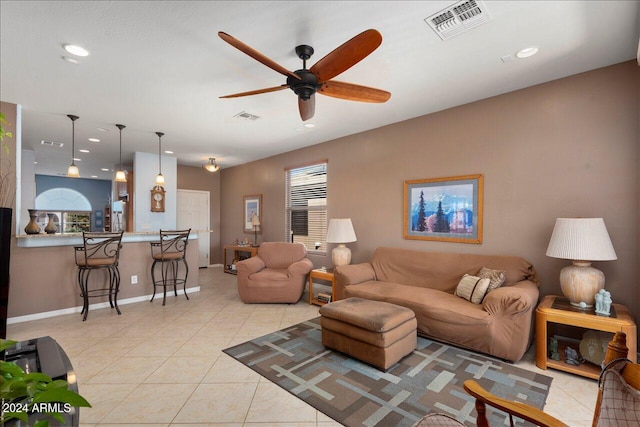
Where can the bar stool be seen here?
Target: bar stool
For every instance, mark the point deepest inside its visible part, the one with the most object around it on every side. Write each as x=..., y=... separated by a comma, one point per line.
x=169, y=252
x=100, y=251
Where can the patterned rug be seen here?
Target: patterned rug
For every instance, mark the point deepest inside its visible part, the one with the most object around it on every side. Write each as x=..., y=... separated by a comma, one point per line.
x=356, y=394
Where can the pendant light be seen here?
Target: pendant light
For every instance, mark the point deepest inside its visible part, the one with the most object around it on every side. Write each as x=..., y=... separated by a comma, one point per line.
x=211, y=166
x=120, y=174
x=160, y=177
x=73, y=171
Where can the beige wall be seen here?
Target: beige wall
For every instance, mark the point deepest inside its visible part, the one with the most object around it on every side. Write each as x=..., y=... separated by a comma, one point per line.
x=196, y=178
x=566, y=148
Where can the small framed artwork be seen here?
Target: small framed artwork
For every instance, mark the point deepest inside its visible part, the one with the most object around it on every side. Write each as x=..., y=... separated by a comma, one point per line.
x=252, y=206
x=444, y=209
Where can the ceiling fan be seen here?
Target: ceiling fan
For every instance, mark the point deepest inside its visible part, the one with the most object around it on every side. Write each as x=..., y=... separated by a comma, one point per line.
x=306, y=82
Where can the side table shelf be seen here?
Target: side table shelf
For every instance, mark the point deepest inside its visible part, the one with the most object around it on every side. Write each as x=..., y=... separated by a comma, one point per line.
x=326, y=275
x=553, y=311
x=238, y=250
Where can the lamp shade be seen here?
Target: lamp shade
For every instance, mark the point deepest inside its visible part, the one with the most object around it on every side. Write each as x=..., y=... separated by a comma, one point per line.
x=255, y=220
x=341, y=231
x=583, y=239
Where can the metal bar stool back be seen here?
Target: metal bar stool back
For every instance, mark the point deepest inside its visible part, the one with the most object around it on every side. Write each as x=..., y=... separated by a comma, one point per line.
x=170, y=251
x=99, y=251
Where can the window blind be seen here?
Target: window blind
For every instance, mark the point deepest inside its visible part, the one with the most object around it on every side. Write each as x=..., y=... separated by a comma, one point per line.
x=306, y=206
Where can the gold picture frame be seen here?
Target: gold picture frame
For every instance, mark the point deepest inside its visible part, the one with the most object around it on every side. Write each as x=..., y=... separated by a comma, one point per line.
x=444, y=209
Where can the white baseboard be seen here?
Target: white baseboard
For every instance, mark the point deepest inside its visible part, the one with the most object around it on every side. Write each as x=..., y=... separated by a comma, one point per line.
x=71, y=310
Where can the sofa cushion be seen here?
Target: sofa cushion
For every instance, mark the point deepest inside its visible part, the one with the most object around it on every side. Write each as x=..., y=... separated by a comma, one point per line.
x=496, y=277
x=441, y=270
x=472, y=288
x=271, y=274
x=425, y=302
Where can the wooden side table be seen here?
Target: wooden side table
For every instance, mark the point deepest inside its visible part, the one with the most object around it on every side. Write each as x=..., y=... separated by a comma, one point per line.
x=555, y=310
x=237, y=250
x=320, y=274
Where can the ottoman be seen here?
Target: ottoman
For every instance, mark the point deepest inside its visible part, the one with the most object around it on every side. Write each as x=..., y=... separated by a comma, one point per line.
x=374, y=332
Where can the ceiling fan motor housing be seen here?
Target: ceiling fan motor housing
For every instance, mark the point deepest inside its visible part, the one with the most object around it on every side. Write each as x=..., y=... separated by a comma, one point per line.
x=306, y=86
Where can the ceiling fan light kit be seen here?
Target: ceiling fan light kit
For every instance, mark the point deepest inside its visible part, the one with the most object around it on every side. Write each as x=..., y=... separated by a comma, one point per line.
x=305, y=83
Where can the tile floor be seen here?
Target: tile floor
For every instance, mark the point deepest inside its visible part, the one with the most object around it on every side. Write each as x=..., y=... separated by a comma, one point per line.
x=162, y=366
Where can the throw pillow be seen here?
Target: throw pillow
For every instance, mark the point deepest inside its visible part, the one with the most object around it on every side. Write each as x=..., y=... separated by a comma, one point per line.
x=496, y=277
x=472, y=288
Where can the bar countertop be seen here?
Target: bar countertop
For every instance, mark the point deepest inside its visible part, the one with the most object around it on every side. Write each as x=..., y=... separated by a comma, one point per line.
x=75, y=239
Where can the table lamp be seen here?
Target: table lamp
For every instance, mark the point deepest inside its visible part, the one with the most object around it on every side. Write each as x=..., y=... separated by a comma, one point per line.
x=341, y=232
x=581, y=240
x=255, y=223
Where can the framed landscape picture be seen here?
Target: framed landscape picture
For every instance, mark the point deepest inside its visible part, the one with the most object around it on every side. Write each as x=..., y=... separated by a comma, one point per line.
x=444, y=209
x=252, y=206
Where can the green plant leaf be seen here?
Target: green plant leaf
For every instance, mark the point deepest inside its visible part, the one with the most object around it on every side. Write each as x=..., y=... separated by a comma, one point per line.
x=63, y=395
x=43, y=423
x=23, y=416
x=37, y=376
x=5, y=344
x=12, y=369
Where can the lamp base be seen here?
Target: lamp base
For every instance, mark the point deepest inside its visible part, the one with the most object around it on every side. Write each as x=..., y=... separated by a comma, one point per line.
x=580, y=283
x=341, y=255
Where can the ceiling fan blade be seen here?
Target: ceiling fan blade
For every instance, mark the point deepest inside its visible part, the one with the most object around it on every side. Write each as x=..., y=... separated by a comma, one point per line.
x=256, y=92
x=353, y=92
x=347, y=55
x=307, y=108
x=256, y=55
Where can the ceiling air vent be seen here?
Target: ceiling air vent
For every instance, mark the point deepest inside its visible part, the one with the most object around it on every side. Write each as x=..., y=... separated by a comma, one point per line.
x=52, y=144
x=458, y=18
x=246, y=116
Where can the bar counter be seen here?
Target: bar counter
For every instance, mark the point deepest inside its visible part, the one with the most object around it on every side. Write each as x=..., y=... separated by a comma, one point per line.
x=43, y=274
x=75, y=239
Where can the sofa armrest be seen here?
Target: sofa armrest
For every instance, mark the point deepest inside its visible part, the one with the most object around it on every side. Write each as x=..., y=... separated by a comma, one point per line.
x=250, y=265
x=300, y=268
x=521, y=297
x=352, y=274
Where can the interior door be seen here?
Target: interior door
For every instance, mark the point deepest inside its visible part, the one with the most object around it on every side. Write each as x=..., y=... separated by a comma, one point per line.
x=193, y=212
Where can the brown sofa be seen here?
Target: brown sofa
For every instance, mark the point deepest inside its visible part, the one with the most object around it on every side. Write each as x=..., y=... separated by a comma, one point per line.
x=501, y=325
x=277, y=274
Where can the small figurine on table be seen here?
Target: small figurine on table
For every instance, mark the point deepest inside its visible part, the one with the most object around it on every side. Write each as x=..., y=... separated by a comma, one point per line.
x=571, y=356
x=603, y=302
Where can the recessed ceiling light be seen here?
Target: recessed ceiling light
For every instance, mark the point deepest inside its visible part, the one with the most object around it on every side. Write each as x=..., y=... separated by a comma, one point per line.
x=168, y=152
x=71, y=60
x=527, y=52
x=84, y=151
x=77, y=159
x=309, y=125
x=103, y=129
x=94, y=176
x=94, y=140
x=104, y=169
x=76, y=50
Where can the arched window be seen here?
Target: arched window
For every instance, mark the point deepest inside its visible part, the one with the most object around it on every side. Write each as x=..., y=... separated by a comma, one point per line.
x=71, y=210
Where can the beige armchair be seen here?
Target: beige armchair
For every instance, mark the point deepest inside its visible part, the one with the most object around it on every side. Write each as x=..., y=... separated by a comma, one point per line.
x=277, y=274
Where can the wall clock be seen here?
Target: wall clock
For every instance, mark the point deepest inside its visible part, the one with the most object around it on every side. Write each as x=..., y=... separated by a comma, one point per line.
x=157, y=199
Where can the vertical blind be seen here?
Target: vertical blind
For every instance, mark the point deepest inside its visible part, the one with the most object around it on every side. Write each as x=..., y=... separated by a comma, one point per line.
x=306, y=206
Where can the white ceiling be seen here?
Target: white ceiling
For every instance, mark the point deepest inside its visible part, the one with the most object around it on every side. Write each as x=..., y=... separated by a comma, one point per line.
x=160, y=66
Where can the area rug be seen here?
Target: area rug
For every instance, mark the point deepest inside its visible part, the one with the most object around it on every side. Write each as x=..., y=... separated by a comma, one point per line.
x=356, y=394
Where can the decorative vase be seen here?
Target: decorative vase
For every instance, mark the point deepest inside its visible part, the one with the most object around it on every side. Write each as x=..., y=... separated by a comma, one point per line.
x=51, y=226
x=32, y=227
